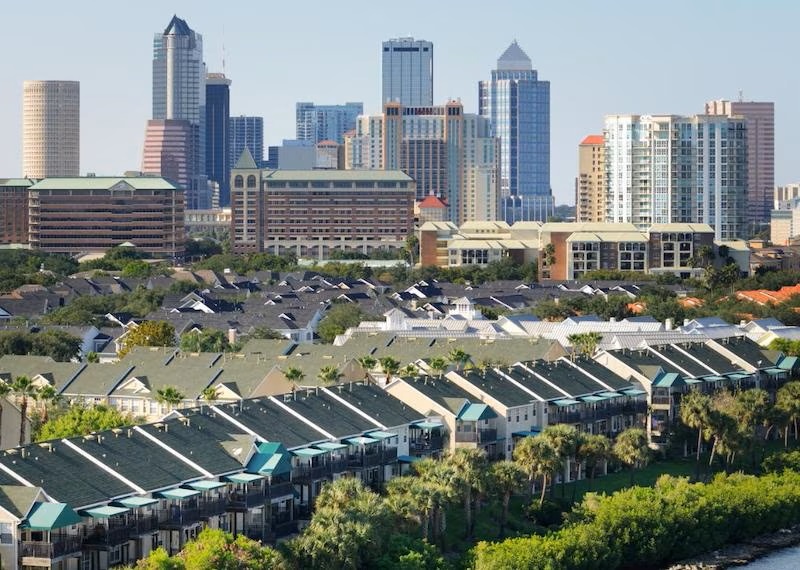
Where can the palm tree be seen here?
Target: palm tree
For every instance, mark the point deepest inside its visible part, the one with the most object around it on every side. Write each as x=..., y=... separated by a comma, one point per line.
x=458, y=357
x=409, y=370
x=695, y=413
x=389, y=366
x=631, y=448
x=23, y=389
x=169, y=395
x=537, y=458
x=470, y=467
x=584, y=344
x=564, y=440
x=438, y=365
x=788, y=402
x=367, y=363
x=294, y=376
x=506, y=479
x=593, y=450
x=5, y=390
x=209, y=394
x=329, y=375
x=47, y=395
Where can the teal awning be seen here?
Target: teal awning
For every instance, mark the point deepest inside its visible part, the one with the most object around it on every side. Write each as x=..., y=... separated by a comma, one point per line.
x=179, y=493
x=526, y=433
x=134, y=502
x=205, y=485
x=713, y=378
x=243, y=477
x=787, y=362
x=609, y=395
x=330, y=446
x=566, y=402
x=775, y=371
x=738, y=375
x=592, y=399
x=361, y=440
x=693, y=381
x=104, y=512
x=669, y=380
x=428, y=424
x=407, y=459
x=48, y=516
x=381, y=434
x=476, y=412
x=307, y=452
x=633, y=392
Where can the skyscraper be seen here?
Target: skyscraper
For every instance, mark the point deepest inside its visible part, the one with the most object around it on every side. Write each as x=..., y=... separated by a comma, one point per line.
x=590, y=187
x=760, y=118
x=218, y=165
x=408, y=72
x=671, y=169
x=518, y=105
x=167, y=150
x=51, y=121
x=179, y=93
x=317, y=123
x=247, y=132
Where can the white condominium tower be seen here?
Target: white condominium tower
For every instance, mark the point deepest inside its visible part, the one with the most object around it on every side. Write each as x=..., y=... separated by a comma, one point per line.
x=671, y=169
x=51, y=119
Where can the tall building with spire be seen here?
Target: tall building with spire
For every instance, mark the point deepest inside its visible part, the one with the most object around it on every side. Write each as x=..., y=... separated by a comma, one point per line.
x=407, y=72
x=179, y=94
x=518, y=105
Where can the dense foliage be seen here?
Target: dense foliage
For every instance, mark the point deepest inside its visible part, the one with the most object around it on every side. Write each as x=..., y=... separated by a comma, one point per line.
x=80, y=420
x=57, y=344
x=339, y=318
x=148, y=333
x=22, y=266
x=91, y=309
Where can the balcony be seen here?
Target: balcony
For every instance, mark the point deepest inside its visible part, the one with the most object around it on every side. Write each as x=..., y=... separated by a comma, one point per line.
x=212, y=507
x=282, y=489
x=241, y=501
x=255, y=531
x=310, y=473
x=103, y=536
x=430, y=445
x=143, y=525
x=480, y=436
x=61, y=547
x=177, y=517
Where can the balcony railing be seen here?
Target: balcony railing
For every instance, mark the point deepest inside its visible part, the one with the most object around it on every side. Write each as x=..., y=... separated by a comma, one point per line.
x=212, y=507
x=143, y=525
x=480, y=436
x=243, y=501
x=310, y=473
x=283, y=489
x=178, y=516
x=35, y=549
x=104, y=536
x=255, y=531
x=431, y=444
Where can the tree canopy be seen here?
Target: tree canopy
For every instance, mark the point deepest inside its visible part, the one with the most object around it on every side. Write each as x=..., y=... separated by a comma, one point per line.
x=148, y=333
x=80, y=420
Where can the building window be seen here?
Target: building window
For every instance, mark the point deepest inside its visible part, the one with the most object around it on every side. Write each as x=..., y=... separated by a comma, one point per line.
x=6, y=533
x=251, y=181
x=238, y=182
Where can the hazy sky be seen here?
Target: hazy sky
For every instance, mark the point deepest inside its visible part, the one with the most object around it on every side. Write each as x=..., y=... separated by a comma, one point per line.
x=630, y=56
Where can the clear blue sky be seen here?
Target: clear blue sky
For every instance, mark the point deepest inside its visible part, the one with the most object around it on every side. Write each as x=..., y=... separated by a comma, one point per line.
x=601, y=57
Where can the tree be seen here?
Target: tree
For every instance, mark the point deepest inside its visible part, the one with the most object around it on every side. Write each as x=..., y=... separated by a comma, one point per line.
x=5, y=390
x=505, y=478
x=459, y=357
x=265, y=333
x=47, y=396
x=537, y=458
x=695, y=412
x=367, y=363
x=564, y=439
x=584, y=344
x=81, y=420
x=338, y=319
x=169, y=395
x=788, y=401
x=470, y=465
x=294, y=376
x=438, y=365
x=389, y=366
x=209, y=394
x=23, y=389
x=148, y=333
x=632, y=449
x=329, y=375
x=57, y=344
x=409, y=370
x=412, y=247
x=593, y=450
x=207, y=340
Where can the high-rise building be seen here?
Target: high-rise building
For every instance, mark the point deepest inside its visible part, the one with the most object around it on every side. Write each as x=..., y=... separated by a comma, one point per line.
x=408, y=72
x=14, y=210
x=518, y=105
x=317, y=123
x=247, y=132
x=51, y=121
x=671, y=169
x=179, y=93
x=450, y=154
x=590, y=186
x=218, y=105
x=760, y=118
x=168, y=150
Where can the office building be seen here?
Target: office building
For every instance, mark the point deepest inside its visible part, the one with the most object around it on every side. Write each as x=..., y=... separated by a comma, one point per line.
x=760, y=119
x=590, y=186
x=317, y=123
x=247, y=132
x=179, y=94
x=168, y=148
x=14, y=210
x=314, y=212
x=93, y=214
x=450, y=154
x=517, y=103
x=785, y=195
x=671, y=169
x=51, y=121
x=218, y=154
x=408, y=72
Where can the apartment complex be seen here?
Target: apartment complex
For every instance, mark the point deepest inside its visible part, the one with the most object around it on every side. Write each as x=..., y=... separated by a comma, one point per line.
x=217, y=142
x=760, y=120
x=407, y=72
x=671, y=169
x=94, y=214
x=313, y=212
x=51, y=121
x=317, y=123
x=14, y=210
x=517, y=104
x=590, y=186
x=450, y=154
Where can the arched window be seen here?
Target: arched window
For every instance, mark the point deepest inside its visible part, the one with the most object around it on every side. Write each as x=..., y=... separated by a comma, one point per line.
x=238, y=182
x=251, y=181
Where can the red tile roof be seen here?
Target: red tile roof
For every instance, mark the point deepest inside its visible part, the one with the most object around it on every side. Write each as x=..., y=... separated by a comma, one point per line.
x=432, y=202
x=593, y=139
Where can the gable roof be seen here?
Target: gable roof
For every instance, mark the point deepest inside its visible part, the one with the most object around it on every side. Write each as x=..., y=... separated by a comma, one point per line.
x=18, y=499
x=246, y=160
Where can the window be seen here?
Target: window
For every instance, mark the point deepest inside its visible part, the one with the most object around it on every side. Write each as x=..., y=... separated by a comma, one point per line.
x=238, y=182
x=6, y=533
x=251, y=181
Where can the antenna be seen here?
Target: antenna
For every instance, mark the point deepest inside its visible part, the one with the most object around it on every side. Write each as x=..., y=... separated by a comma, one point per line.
x=741, y=96
x=223, y=50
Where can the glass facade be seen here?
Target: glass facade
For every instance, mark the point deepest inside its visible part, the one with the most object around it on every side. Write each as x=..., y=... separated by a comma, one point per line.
x=407, y=72
x=218, y=163
x=318, y=123
x=247, y=132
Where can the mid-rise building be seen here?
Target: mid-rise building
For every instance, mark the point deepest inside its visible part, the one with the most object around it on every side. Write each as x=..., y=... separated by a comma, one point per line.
x=517, y=103
x=314, y=212
x=784, y=196
x=218, y=153
x=168, y=148
x=179, y=93
x=247, y=132
x=590, y=186
x=663, y=169
x=93, y=214
x=408, y=72
x=760, y=119
x=51, y=121
x=317, y=123
x=14, y=210
x=450, y=154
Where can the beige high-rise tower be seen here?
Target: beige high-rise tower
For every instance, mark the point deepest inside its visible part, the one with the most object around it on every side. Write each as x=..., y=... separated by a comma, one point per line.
x=51, y=120
x=760, y=120
x=590, y=187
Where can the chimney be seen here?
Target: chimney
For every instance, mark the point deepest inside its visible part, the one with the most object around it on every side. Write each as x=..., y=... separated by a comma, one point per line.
x=742, y=323
x=232, y=335
x=612, y=320
x=686, y=322
x=668, y=324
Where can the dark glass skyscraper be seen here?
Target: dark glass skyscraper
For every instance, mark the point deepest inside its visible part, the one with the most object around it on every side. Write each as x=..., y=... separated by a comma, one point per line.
x=247, y=132
x=218, y=104
x=518, y=105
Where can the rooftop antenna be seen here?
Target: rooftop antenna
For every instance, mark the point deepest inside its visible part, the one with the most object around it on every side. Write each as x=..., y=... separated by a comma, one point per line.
x=741, y=96
x=223, y=50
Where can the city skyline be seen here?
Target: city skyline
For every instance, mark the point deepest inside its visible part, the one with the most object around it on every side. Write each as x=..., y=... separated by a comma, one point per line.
x=567, y=51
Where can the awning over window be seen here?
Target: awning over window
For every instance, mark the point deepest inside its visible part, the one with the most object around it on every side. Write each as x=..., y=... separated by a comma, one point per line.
x=48, y=516
x=633, y=392
x=526, y=433
x=243, y=477
x=428, y=424
x=178, y=493
x=361, y=440
x=407, y=459
x=331, y=446
x=308, y=452
x=205, y=485
x=566, y=402
x=381, y=434
x=134, y=502
x=104, y=512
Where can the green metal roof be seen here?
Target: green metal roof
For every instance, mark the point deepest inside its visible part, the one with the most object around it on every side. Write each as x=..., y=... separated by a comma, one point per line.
x=48, y=516
x=775, y=371
x=592, y=399
x=526, y=433
x=205, y=485
x=104, y=512
x=713, y=378
x=787, y=362
x=179, y=493
x=134, y=502
x=104, y=183
x=476, y=412
x=16, y=182
x=633, y=392
x=609, y=395
x=308, y=452
x=361, y=440
x=408, y=459
x=381, y=434
x=243, y=477
x=428, y=424
x=338, y=175
x=566, y=402
x=330, y=446
x=669, y=380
